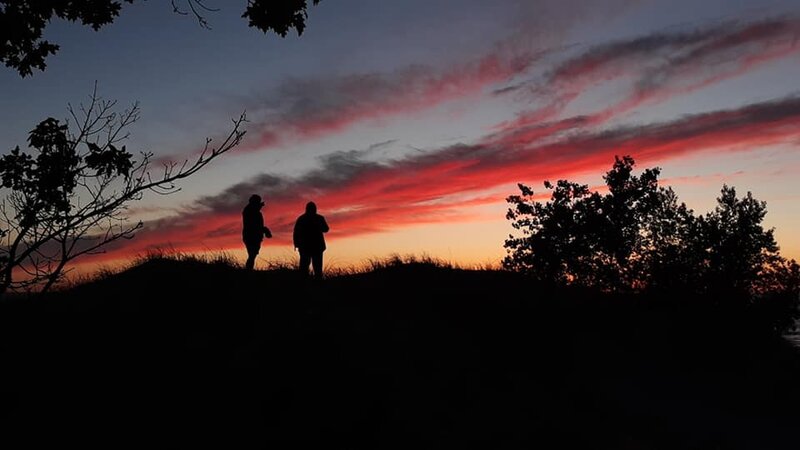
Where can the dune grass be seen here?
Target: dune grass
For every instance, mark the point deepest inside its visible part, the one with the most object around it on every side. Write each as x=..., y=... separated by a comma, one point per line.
x=222, y=258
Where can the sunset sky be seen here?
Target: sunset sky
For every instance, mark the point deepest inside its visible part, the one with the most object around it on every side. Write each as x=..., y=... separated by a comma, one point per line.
x=409, y=122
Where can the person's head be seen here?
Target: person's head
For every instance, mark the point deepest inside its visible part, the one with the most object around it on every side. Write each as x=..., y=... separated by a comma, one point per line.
x=255, y=200
x=311, y=208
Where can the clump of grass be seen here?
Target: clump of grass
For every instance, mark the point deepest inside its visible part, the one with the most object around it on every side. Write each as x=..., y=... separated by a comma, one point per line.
x=334, y=271
x=100, y=274
x=396, y=261
x=280, y=265
x=218, y=258
x=158, y=254
x=486, y=266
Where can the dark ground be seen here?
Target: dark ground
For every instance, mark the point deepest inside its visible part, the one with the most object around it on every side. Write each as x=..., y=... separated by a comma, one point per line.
x=175, y=354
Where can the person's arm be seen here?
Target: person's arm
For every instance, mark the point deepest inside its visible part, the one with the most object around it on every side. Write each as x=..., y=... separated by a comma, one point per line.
x=263, y=227
x=295, y=237
x=323, y=225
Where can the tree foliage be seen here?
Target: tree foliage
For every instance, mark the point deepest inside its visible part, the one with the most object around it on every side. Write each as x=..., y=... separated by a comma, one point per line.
x=639, y=238
x=68, y=194
x=278, y=17
x=22, y=23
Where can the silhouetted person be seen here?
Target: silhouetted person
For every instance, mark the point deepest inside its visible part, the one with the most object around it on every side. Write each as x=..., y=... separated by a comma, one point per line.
x=253, y=229
x=309, y=240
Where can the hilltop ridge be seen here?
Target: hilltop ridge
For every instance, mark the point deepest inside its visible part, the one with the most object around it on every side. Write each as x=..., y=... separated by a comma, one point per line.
x=187, y=352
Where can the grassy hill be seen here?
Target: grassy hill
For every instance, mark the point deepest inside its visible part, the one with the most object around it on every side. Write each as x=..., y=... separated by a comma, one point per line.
x=175, y=353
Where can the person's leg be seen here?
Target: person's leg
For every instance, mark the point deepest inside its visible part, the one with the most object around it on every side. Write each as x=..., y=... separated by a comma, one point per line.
x=252, y=252
x=305, y=260
x=316, y=261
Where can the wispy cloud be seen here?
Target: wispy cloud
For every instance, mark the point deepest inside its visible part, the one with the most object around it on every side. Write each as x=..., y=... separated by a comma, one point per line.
x=309, y=108
x=661, y=65
x=300, y=109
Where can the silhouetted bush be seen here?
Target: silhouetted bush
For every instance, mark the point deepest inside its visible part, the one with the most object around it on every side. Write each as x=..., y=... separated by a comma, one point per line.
x=639, y=238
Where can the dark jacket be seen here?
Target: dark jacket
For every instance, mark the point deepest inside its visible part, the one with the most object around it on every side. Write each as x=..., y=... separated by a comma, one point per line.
x=253, y=229
x=308, y=233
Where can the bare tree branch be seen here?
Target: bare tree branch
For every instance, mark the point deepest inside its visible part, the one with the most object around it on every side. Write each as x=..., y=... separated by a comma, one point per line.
x=41, y=238
x=195, y=6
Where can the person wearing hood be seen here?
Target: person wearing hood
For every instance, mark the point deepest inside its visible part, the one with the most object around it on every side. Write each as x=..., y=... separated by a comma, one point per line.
x=253, y=229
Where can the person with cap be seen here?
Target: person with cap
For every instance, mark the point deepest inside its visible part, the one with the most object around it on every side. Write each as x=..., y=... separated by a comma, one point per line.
x=253, y=229
x=309, y=240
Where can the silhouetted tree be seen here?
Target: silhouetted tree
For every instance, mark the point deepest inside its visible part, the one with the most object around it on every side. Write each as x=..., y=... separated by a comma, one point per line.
x=646, y=233
x=69, y=197
x=638, y=237
x=738, y=250
x=553, y=246
x=22, y=23
x=279, y=17
x=606, y=241
x=622, y=233
x=672, y=259
x=778, y=291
